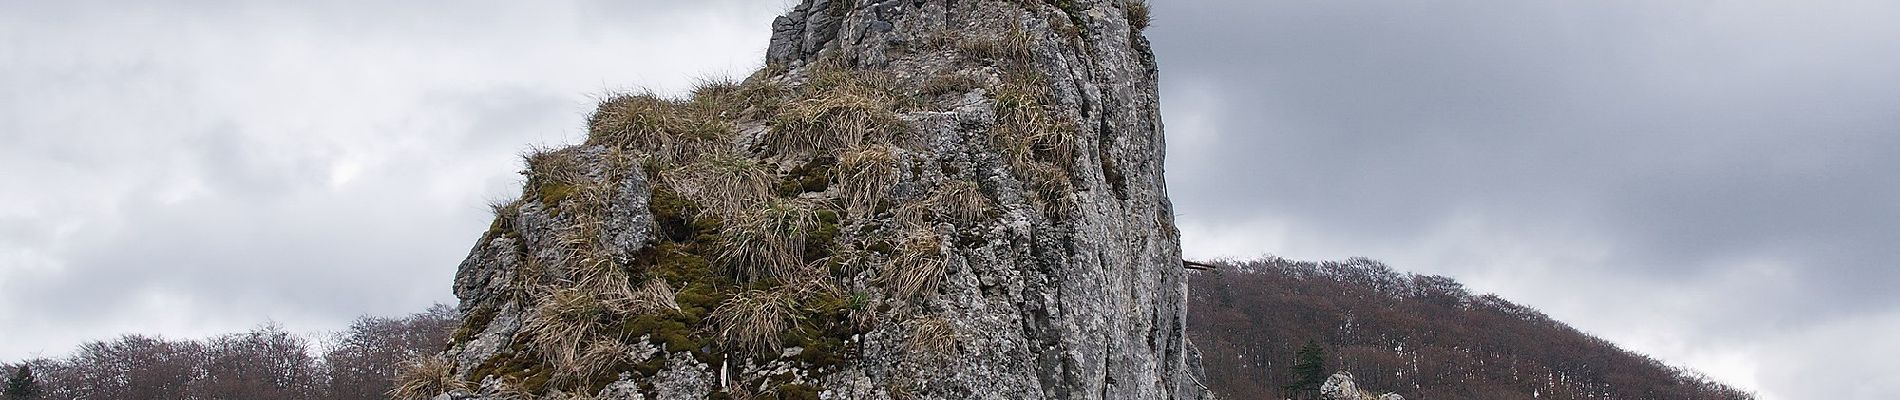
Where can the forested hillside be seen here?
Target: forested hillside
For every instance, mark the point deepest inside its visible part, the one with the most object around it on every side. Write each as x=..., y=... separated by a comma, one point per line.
x=360, y=363
x=1423, y=337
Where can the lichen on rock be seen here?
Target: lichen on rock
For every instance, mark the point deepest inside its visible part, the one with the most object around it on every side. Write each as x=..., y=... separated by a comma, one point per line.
x=914, y=199
x=1340, y=386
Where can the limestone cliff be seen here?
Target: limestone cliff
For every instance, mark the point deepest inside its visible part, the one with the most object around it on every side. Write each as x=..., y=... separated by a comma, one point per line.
x=914, y=199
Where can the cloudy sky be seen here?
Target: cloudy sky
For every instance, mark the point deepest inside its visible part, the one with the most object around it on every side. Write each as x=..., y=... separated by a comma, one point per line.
x=1715, y=183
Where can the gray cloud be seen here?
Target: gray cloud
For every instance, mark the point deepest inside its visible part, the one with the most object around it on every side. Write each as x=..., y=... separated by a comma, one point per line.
x=196, y=168
x=1702, y=180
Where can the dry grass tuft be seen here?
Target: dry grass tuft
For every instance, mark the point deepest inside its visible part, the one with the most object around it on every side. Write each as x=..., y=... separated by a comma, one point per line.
x=565, y=319
x=1053, y=187
x=424, y=377
x=961, y=201
x=552, y=173
x=561, y=395
x=1025, y=126
x=600, y=356
x=1039, y=147
x=767, y=241
x=1138, y=17
x=865, y=177
x=1013, y=46
x=505, y=209
x=931, y=337
x=505, y=213
x=833, y=76
x=674, y=132
x=1056, y=142
x=590, y=260
x=918, y=268
x=753, y=99
x=954, y=83
x=839, y=107
x=833, y=121
x=915, y=214
x=754, y=320
x=667, y=130
x=939, y=42
x=620, y=297
x=724, y=184
x=511, y=388
x=654, y=296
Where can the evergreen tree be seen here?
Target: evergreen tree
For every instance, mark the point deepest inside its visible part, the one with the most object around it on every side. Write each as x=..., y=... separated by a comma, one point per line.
x=1309, y=370
x=22, y=386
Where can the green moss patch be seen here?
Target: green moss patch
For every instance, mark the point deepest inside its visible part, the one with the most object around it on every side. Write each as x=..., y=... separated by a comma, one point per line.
x=474, y=324
x=812, y=177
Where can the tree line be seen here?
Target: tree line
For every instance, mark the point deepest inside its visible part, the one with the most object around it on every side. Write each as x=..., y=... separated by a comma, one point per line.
x=266, y=362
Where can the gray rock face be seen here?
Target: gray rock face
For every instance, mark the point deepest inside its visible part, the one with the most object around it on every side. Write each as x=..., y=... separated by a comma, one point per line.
x=1341, y=387
x=1070, y=286
x=805, y=30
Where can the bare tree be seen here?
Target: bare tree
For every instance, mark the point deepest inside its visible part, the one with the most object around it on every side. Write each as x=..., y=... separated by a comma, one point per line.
x=132, y=367
x=363, y=363
x=265, y=363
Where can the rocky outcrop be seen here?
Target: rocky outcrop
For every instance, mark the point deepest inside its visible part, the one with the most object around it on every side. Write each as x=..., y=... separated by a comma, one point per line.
x=914, y=199
x=1341, y=387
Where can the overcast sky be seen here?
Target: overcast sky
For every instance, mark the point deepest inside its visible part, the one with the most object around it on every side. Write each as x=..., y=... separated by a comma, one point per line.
x=1715, y=183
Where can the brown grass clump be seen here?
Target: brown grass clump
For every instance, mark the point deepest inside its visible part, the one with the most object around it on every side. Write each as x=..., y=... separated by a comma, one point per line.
x=961, y=201
x=1138, y=17
x=561, y=395
x=833, y=121
x=865, y=177
x=931, y=337
x=1019, y=119
x=723, y=184
x=569, y=328
x=1055, y=143
x=590, y=261
x=654, y=296
x=600, y=356
x=838, y=107
x=1025, y=128
x=667, y=130
x=425, y=376
x=753, y=99
x=1053, y=187
x=767, y=241
x=675, y=131
x=1013, y=46
x=829, y=76
x=917, y=268
x=512, y=388
x=915, y=214
x=505, y=213
x=565, y=319
x=954, y=83
x=1040, y=147
x=754, y=319
x=552, y=174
